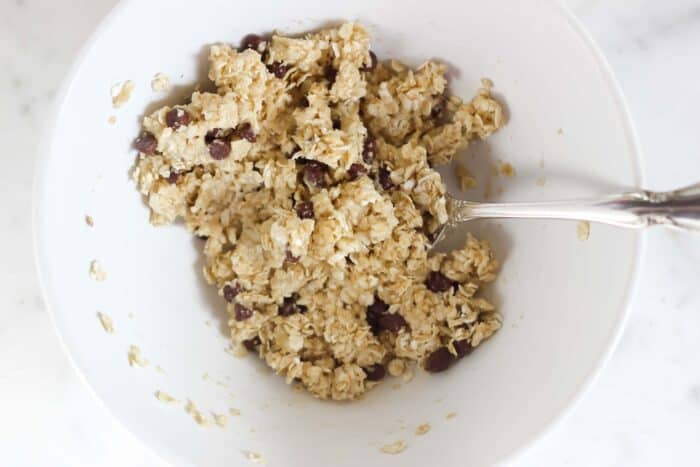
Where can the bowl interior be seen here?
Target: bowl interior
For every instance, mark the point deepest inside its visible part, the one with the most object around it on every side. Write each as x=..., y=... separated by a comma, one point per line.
x=562, y=299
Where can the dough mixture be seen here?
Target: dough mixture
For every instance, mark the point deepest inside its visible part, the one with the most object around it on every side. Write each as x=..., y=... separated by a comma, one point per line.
x=308, y=174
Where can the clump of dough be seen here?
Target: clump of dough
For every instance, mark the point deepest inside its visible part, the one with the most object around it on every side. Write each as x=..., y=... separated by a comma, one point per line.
x=309, y=172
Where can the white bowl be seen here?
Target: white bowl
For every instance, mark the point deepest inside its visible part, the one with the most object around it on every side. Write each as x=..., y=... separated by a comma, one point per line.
x=563, y=299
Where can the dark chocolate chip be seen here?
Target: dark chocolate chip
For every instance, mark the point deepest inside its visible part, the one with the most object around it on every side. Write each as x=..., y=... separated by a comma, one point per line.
x=305, y=210
x=375, y=311
x=438, y=282
x=252, y=344
x=290, y=258
x=278, y=69
x=330, y=74
x=315, y=173
x=369, y=149
x=336, y=123
x=177, y=117
x=173, y=177
x=463, y=348
x=252, y=41
x=377, y=308
x=356, y=171
x=146, y=143
x=375, y=372
x=219, y=149
x=385, y=178
x=392, y=322
x=440, y=360
x=439, y=107
x=242, y=313
x=245, y=131
x=230, y=292
x=372, y=62
x=290, y=306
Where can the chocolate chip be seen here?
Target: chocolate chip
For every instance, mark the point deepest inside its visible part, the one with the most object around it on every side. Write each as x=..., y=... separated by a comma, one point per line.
x=278, y=69
x=375, y=372
x=287, y=307
x=372, y=62
x=330, y=74
x=385, y=179
x=252, y=344
x=356, y=171
x=438, y=282
x=230, y=292
x=245, y=131
x=219, y=149
x=252, y=41
x=439, y=107
x=369, y=149
x=305, y=210
x=290, y=258
x=242, y=313
x=375, y=311
x=173, y=177
x=290, y=306
x=391, y=322
x=463, y=348
x=377, y=308
x=146, y=143
x=440, y=360
x=177, y=117
x=336, y=123
x=315, y=173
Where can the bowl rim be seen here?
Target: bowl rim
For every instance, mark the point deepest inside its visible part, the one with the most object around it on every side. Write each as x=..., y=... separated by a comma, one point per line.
x=542, y=432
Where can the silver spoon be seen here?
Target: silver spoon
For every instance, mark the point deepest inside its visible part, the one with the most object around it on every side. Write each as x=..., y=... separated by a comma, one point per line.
x=679, y=209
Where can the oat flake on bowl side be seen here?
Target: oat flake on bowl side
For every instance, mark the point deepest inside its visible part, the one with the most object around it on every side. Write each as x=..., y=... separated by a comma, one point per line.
x=196, y=415
x=254, y=457
x=97, y=272
x=422, y=429
x=160, y=83
x=135, y=358
x=583, y=230
x=121, y=93
x=394, y=448
x=166, y=398
x=106, y=322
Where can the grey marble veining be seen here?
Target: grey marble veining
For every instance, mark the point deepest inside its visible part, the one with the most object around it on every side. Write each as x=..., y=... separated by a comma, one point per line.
x=644, y=409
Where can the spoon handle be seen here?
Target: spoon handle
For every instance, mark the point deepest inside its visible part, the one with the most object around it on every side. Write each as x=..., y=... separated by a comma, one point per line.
x=679, y=209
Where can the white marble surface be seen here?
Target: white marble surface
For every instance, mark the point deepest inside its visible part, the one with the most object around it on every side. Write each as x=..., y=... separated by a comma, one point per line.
x=645, y=407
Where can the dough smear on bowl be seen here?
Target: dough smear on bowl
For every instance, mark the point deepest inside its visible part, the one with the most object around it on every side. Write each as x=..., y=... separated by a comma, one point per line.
x=309, y=176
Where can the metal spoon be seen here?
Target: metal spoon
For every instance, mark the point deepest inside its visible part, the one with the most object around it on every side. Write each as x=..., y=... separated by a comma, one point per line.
x=679, y=209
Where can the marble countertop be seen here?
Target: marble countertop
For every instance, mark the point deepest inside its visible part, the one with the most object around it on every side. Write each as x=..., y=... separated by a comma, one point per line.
x=644, y=409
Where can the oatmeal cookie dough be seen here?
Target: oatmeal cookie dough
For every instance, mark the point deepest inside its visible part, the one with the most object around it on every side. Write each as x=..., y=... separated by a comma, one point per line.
x=309, y=173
